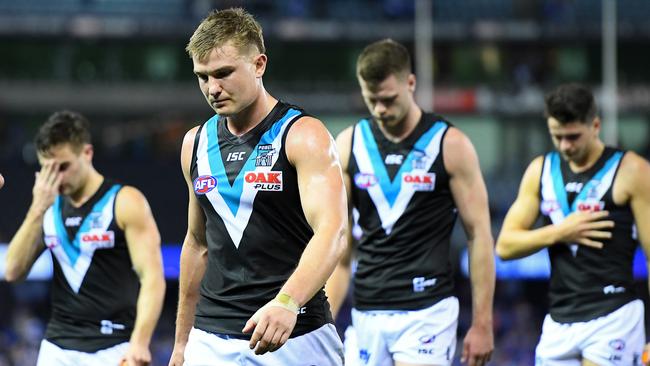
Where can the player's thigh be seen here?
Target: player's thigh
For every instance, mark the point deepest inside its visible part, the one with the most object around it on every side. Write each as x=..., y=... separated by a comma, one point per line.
x=428, y=336
x=109, y=356
x=559, y=344
x=368, y=347
x=617, y=338
x=52, y=355
x=321, y=346
x=205, y=348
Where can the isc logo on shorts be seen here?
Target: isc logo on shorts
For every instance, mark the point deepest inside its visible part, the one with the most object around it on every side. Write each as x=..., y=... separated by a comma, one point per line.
x=264, y=181
x=204, y=184
x=364, y=180
x=420, y=181
x=99, y=240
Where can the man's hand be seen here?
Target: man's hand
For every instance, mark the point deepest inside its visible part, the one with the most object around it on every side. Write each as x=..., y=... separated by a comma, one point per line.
x=478, y=346
x=586, y=228
x=178, y=356
x=46, y=187
x=137, y=355
x=272, y=325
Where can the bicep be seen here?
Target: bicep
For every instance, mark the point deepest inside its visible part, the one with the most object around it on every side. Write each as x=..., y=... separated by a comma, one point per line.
x=466, y=182
x=524, y=211
x=140, y=230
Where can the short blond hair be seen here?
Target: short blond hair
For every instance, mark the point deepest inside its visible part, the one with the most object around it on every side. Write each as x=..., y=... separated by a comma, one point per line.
x=222, y=26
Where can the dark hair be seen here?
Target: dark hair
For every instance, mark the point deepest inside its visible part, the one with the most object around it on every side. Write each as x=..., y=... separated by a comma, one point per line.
x=60, y=128
x=570, y=103
x=381, y=59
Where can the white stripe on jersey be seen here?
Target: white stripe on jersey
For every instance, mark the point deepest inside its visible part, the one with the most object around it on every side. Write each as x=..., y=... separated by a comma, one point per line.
x=390, y=214
x=74, y=270
x=235, y=224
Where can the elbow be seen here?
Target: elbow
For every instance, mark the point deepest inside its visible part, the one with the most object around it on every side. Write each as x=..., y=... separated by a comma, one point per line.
x=13, y=274
x=502, y=250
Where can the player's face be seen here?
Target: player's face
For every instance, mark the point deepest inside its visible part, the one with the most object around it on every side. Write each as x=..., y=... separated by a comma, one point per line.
x=573, y=140
x=389, y=100
x=230, y=79
x=74, y=166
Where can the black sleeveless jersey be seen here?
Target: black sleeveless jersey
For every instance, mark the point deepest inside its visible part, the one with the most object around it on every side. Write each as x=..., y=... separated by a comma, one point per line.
x=585, y=282
x=94, y=288
x=256, y=230
x=406, y=213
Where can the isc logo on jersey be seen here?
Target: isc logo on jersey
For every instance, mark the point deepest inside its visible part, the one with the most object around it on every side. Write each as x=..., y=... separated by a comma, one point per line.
x=420, y=181
x=264, y=181
x=98, y=240
x=204, y=184
x=364, y=180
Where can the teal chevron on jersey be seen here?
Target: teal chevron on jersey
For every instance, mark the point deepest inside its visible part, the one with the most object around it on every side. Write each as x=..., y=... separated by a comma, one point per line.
x=391, y=188
x=72, y=248
x=234, y=202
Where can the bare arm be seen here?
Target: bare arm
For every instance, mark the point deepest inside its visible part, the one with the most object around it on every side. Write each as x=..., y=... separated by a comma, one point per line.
x=134, y=216
x=311, y=150
x=517, y=240
x=193, y=259
x=26, y=245
x=470, y=196
x=338, y=283
x=634, y=174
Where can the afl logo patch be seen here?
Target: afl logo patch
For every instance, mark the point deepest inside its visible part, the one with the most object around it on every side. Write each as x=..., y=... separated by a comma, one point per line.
x=365, y=180
x=204, y=184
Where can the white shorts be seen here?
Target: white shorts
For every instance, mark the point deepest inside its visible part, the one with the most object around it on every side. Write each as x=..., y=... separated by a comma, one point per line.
x=614, y=339
x=321, y=347
x=426, y=336
x=52, y=355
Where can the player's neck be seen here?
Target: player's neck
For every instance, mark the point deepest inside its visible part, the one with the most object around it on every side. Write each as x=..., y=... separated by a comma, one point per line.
x=399, y=131
x=89, y=189
x=252, y=115
x=590, y=158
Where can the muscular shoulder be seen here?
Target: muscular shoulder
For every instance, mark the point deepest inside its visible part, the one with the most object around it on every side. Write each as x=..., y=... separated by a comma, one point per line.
x=130, y=205
x=532, y=176
x=187, y=149
x=458, y=151
x=634, y=173
x=344, y=145
x=308, y=138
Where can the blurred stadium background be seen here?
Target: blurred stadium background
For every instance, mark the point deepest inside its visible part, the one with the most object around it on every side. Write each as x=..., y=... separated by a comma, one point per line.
x=123, y=64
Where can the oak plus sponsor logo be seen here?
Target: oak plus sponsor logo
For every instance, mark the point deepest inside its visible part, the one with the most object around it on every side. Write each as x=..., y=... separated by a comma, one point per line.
x=590, y=205
x=99, y=240
x=204, y=184
x=420, y=181
x=264, y=181
x=365, y=180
